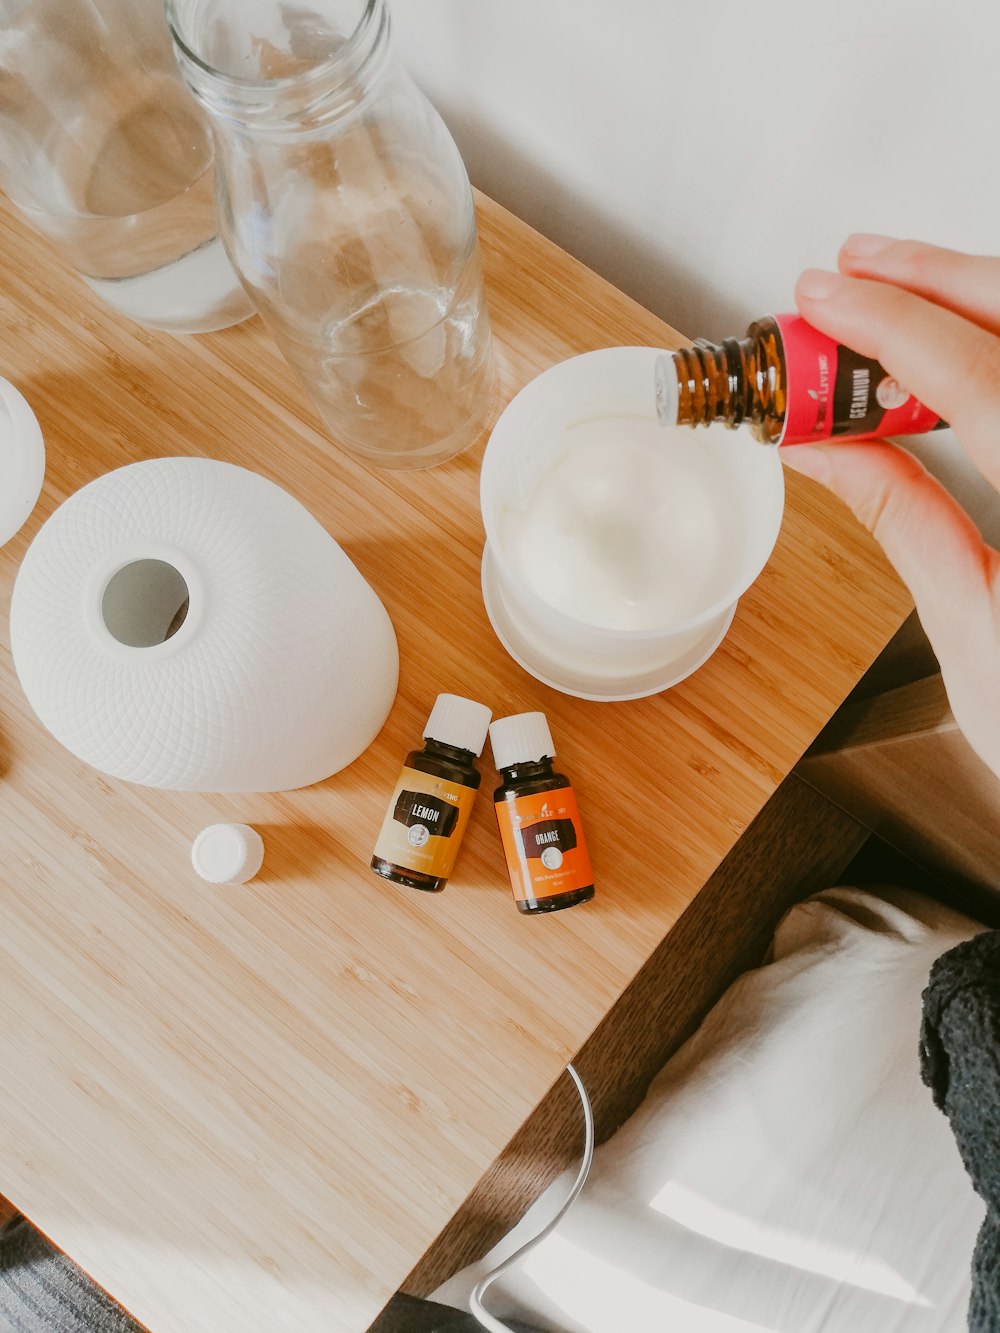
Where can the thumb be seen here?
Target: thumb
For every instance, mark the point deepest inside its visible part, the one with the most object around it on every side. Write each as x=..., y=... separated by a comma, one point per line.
x=931, y=541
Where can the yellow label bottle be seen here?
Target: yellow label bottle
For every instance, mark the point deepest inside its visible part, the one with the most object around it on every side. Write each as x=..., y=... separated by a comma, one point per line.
x=433, y=798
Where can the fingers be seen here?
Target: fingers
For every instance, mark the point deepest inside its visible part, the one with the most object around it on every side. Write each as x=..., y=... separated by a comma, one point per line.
x=950, y=364
x=967, y=284
x=931, y=541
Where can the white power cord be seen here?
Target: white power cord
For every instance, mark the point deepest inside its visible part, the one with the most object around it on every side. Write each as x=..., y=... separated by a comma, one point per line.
x=488, y=1321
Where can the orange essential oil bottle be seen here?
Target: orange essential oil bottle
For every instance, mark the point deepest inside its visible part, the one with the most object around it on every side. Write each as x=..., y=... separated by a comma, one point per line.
x=434, y=796
x=538, y=817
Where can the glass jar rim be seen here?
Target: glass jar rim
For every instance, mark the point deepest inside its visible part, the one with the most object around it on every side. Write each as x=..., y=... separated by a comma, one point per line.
x=372, y=16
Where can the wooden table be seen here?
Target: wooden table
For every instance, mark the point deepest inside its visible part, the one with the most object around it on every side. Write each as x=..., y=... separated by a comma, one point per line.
x=254, y=1108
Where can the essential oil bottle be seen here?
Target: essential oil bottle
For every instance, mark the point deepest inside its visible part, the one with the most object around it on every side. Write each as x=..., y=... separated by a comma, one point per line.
x=434, y=796
x=790, y=384
x=539, y=821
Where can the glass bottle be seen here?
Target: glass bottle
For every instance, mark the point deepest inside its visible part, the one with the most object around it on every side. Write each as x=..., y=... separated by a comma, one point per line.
x=103, y=149
x=538, y=817
x=346, y=209
x=789, y=384
x=433, y=797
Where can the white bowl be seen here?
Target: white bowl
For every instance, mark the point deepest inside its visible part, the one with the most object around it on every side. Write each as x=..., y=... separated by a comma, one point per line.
x=569, y=654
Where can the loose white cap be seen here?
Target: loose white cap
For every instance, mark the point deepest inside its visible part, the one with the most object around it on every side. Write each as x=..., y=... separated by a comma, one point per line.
x=227, y=853
x=522, y=739
x=666, y=390
x=460, y=722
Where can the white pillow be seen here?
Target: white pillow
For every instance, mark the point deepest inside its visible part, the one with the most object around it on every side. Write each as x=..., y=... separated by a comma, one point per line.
x=788, y=1170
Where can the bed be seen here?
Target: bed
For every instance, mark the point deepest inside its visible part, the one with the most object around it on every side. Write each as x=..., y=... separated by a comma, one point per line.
x=788, y=1170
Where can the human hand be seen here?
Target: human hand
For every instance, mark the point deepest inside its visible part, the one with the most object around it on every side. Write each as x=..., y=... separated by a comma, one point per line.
x=932, y=318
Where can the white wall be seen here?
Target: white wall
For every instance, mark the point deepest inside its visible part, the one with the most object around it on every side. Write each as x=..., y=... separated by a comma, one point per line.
x=700, y=153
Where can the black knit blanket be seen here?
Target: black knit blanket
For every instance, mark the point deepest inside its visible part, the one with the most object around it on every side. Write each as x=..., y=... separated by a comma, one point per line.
x=960, y=1063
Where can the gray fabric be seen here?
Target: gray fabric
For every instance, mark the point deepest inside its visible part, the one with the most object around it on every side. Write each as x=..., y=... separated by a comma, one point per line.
x=41, y=1291
x=960, y=1063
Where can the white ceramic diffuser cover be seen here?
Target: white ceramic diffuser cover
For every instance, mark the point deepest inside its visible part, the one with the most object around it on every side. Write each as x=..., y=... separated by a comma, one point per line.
x=185, y=623
x=22, y=461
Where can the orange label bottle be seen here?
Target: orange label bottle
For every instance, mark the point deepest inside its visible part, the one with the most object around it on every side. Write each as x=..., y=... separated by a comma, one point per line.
x=539, y=819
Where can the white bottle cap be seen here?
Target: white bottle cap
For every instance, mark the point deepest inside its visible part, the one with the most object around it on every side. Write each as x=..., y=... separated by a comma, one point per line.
x=522, y=739
x=227, y=853
x=460, y=722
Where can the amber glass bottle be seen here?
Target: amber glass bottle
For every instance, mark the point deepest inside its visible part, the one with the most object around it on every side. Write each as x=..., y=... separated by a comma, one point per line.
x=433, y=797
x=538, y=817
x=789, y=383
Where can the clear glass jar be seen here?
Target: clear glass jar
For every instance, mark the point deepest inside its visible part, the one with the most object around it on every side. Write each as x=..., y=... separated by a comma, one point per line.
x=103, y=149
x=346, y=209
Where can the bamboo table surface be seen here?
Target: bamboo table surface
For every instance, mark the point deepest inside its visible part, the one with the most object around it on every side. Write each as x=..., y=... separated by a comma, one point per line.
x=253, y=1108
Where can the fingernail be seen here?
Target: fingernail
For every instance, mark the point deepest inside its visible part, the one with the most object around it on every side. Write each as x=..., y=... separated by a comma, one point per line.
x=866, y=244
x=816, y=284
x=810, y=462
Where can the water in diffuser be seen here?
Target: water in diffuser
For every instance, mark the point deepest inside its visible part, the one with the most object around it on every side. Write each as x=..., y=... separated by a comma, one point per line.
x=627, y=527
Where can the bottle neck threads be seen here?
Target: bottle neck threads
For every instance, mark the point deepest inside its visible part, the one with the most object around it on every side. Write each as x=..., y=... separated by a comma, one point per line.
x=738, y=381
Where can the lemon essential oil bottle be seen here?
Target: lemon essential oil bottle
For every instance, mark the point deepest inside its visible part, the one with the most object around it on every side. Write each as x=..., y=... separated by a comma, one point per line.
x=434, y=796
x=538, y=816
x=790, y=384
